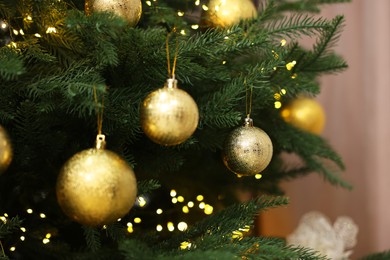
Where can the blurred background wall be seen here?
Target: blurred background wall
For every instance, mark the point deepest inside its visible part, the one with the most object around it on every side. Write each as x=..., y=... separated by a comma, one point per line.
x=357, y=104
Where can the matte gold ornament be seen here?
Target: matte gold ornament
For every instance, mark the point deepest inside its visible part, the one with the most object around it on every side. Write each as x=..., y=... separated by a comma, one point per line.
x=169, y=115
x=225, y=13
x=96, y=186
x=130, y=10
x=306, y=114
x=247, y=150
x=5, y=150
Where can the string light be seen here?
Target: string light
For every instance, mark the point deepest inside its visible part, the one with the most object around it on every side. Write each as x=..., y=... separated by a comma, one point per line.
x=130, y=228
x=170, y=226
x=208, y=210
x=119, y=219
x=294, y=76
x=179, y=13
x=180, y=199
x=185, y=209
x=278, y=104
x=137, y=220
x=258, y=176
x=29, y=211
x=4, y=219
x=205, y=7
x=22, y=238
x=141, y=201
x=12, y=249
x=183, y=32
x=42, y=215
x=190, y=204
x=48, y=235
x=37, y=35
x=202, y=205
x=290, y=65
x=185, y=245
x=4, y=25
x=159, y=211
x=224, y=62
x=23, y=229
x=149, y=3
x=15, y=32
x=182, y=226
x=197, y=2
x=173, y=193
x=159, y=228
x=195, y=26
x=21, y=32
x=6, y=215
x=29, y=18
x=199, y=198
x=174, y=200
x=283, y=91
x=45, y=241
x=51, y=30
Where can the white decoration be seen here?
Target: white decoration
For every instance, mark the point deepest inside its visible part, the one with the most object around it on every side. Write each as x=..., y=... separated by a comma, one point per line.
x=316, y=231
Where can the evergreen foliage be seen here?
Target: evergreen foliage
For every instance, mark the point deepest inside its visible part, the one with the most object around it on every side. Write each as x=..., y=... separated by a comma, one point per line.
x=47, y=82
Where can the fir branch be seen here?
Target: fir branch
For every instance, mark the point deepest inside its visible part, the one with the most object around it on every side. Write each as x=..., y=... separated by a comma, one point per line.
x=297, y=25
x=92, y=237
x=9, y=226
x=11, y=64
x=147, y=186
x=116, y=231
x=378, y=256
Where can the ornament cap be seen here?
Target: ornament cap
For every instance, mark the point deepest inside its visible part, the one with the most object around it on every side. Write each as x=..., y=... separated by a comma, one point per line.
x=171, y=83
x=248, y=121
x=100, y=142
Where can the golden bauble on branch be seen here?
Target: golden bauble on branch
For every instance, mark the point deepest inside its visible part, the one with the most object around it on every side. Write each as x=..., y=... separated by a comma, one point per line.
x=169, y=116
x=5, y=150
x=130, y=10
x=305, y=113
x=96, y=187
x=247, y=150
x=229, y=12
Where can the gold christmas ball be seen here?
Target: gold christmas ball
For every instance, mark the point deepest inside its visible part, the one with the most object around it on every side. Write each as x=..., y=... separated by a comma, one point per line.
x=225, y=13
x=169, y=115
x=247, y=150
x=306, y=114
x=130, y=10
x=96, y=187
x=5, y=150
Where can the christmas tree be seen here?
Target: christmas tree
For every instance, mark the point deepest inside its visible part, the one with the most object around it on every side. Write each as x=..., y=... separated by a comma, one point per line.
x=229, y=63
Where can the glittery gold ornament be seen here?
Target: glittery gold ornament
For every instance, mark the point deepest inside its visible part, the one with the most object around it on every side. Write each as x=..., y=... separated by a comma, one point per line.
x=130, y=10
x=96, y=186
x=5, y=150
x=228, y=12
x=169, y=115
x=306, y=114
x=247, y=150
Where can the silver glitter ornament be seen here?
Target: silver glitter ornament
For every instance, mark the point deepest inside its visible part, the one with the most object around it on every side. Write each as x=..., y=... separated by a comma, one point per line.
x=247, y=150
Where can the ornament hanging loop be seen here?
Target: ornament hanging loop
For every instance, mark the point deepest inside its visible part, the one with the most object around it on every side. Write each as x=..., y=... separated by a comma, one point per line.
x=171, y=72
x=248, y=104
x=248, y=121
x=99, y=111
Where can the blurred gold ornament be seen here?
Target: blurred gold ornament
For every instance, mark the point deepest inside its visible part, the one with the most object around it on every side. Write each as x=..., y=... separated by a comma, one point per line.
x=247, y=150
x=5, y=150
x=169, y=115
x=306, y=114
x=229, y=12
x=130, y=10
x=96, y=186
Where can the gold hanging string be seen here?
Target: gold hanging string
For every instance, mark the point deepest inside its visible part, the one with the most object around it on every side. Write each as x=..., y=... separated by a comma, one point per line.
x=248, y=99
x=171, y=73
x=99, y=110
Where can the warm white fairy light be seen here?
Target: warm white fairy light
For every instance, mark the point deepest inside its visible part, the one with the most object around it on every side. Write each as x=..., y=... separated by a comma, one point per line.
x=42, y=215
x=137, y=220
x=174, y=200
x=278, y=104
x=21, y=32
x=141, y=201
x=208, y=209
x=28, y=18
x=159, y=211
x=45, y=241
x=12, y=249
x=199, y=198
x=159, y=228
x=202, y=205
x=170, y=226
x=190, y=204
x=182, y=226
x=179, y=13
x=185, y=209
x=51, y=30
x=283, y=91
x=173, y=193
x=104, y=226
x=180, y=199
x=4, y=25
x=6, y=215
x=205, y=7
x=4, y=219
x=29, y=211
x=23, y=229
x=258, y=176
x=224, y=62
x=48, y=235
x=183, y=32
x=15, y=32
x=197, y=2
x=37, y=35
x=195, y=26
x=22, y=238
x=130, y=227
x=185, y=245
x=149, y=3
